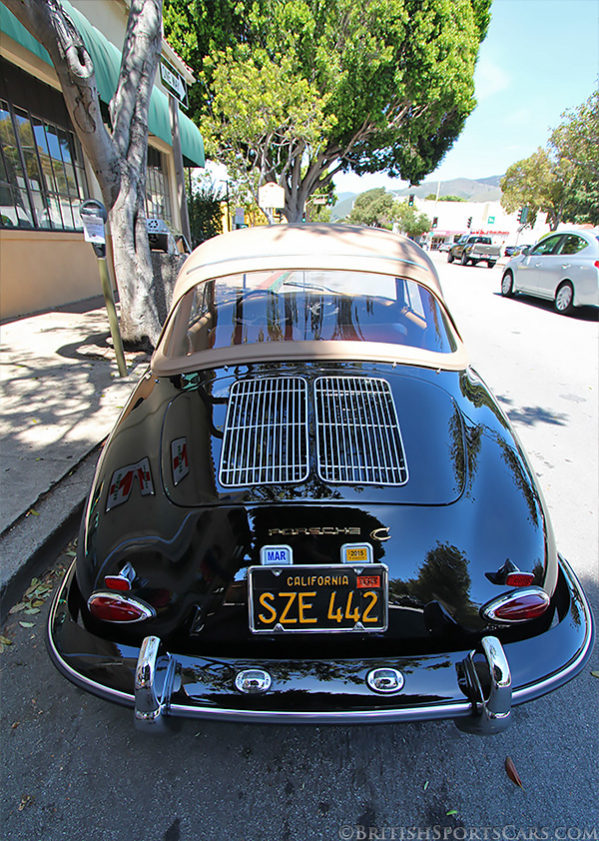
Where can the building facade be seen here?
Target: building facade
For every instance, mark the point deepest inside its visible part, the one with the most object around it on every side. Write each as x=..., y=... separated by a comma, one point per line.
x=451, y=219
x=44, y=176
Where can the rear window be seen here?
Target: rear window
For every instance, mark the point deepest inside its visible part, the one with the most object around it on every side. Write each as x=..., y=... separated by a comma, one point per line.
x=299, y=305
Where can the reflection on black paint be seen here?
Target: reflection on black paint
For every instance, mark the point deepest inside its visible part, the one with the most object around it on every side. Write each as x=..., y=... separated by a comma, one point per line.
x=443, y=578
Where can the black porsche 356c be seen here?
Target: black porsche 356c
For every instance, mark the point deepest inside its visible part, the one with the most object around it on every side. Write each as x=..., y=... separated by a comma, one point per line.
x=313, y=510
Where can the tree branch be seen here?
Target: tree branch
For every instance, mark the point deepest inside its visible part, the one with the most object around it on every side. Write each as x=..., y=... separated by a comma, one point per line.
x=129, y=105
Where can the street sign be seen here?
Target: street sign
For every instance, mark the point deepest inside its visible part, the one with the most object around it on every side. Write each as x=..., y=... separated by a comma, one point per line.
x=320, y=199
x=490, y=220
x=270, y=195
x=174, y=82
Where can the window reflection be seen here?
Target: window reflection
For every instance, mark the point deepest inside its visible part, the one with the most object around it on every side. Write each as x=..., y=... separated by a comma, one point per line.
x=42, y=177
x=309, y=306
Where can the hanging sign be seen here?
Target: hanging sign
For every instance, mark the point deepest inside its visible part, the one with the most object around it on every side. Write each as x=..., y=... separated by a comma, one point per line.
x=174, y=82
x=271, y=195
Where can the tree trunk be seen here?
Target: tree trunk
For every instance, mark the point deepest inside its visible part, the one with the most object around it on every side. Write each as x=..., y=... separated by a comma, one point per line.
x=140, y=324
x=118, y=160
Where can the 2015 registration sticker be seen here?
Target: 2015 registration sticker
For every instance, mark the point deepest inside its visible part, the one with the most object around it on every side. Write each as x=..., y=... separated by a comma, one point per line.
x=315, y=598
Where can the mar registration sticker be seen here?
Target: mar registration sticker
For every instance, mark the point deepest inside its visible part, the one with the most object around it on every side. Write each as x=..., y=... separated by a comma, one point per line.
x=276, y=555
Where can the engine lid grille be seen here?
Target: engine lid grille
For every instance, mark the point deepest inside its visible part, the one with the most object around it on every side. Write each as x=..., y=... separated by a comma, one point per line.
x=266, y=433
x=357, y=432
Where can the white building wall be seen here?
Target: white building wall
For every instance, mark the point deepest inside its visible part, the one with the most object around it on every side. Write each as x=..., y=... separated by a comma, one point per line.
x=488, y=218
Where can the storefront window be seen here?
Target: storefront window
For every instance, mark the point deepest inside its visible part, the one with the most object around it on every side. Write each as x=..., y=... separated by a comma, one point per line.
x=158, y=203
x=42, y=178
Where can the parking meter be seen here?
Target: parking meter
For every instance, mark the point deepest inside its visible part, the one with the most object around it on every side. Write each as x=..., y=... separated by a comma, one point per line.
x=93, y=216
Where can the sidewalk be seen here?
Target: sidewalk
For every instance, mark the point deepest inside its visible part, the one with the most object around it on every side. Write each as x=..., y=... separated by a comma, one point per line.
x=61, y=396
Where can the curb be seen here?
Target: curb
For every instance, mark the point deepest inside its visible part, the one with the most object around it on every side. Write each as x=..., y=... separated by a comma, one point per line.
x=33, y=541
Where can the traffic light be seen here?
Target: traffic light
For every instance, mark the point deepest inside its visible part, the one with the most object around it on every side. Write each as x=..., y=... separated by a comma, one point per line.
x=435, y=221
x=519, y=216
x=469, y=222
x=411, y=200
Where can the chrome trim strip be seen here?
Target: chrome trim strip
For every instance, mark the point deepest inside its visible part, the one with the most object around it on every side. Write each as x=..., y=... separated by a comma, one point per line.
x=541, y=687
x=68, y=671
x=429, y=713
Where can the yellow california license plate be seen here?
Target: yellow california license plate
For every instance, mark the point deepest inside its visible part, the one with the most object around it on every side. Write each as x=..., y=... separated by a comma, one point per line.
x=315, y=598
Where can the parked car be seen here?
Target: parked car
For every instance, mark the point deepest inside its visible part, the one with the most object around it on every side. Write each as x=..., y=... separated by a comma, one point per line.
x=512, y=250
x=313, y=510
x=472, y=249
x=444, y=246
x=562, y=267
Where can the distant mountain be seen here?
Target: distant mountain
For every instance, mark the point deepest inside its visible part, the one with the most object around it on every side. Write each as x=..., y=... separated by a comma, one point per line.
x=493, y=180
x=480, y=189
x=343, y=206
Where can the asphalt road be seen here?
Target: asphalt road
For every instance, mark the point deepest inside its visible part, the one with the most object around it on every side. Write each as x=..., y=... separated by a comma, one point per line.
x=74, y=767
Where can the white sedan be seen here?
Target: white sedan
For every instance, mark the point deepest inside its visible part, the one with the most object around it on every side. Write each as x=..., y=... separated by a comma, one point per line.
x=563, y=267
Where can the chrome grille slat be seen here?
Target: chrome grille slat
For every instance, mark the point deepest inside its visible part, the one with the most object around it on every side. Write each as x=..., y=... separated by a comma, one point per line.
x=357, y=432
x=266, y=433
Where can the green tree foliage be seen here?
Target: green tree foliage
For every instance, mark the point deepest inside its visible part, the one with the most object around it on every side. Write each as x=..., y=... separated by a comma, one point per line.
x=411, y=222
x=295, y=92
x=561, y=180
x=379, y=209
x=433, y=197
x=575, y=147
x=204, y=205
x=375, y=208
x=529, y=183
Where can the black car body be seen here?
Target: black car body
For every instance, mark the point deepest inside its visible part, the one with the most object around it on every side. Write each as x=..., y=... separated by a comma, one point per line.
x=312, y=509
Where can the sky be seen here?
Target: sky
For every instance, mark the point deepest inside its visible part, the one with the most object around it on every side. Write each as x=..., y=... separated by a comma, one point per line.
x=540, y=57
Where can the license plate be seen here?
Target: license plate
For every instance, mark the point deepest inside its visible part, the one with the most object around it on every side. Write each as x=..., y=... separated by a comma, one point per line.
x=317, y=598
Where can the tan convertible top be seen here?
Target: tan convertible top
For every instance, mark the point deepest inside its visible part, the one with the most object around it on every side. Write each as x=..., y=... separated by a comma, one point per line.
x=308, y=246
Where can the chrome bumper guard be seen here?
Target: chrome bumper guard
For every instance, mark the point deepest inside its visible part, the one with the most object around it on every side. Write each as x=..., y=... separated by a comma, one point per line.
x=155, y=677
x=491, y=714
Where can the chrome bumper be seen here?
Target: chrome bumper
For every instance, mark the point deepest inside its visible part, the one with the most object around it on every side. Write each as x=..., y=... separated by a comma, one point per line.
x=155, y=679
x=475, y=688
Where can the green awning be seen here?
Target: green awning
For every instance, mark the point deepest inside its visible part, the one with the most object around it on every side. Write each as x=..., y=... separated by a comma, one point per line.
x=107, y=64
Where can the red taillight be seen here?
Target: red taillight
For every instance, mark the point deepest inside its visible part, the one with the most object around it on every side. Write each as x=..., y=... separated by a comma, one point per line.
x=518, y=606
x=117, y=582
x=519, y=579
x=112, y=607
x=597, y=264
